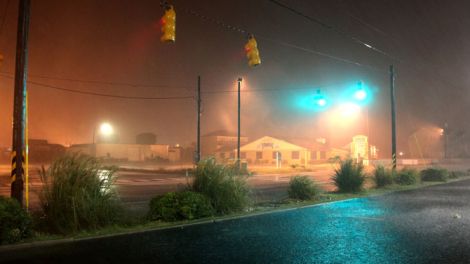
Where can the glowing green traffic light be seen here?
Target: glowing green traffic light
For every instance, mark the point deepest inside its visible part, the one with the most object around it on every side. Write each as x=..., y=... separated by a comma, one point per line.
x=360, y=94
x=321, y=102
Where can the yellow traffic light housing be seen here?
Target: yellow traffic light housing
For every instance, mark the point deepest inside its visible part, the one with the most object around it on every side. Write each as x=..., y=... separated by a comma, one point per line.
x=252, y=53
x=168, y=24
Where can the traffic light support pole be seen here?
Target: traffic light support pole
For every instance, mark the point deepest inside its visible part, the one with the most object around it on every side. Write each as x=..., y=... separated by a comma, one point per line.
x=19, y=102
x=392, y=100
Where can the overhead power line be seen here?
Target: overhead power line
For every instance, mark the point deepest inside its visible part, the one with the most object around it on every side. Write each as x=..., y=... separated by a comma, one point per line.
x=208, y=92
x=334, y=29
x=226, y=26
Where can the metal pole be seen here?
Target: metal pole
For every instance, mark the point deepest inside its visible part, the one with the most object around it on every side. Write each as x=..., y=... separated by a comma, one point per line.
x=445, y=140
x=19, y=103
x=392, y=100
x=198, y=144
x=238, y=132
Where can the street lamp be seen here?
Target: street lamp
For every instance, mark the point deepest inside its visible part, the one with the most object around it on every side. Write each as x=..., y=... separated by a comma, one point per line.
x=238, y=132
x=105, y=130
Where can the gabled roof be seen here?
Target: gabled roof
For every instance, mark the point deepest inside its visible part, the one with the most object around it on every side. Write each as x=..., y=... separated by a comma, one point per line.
x=271, y=143
x=223, y=133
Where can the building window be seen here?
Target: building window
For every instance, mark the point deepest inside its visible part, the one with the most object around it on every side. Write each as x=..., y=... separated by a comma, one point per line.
x=242, y=155
x=295, y=155
x=313, y=155
x=259, y=155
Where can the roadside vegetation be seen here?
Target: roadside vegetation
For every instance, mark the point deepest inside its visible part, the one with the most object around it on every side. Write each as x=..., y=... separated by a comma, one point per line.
x=435, y=174
x=383, y=176
x=349, y=177
x=15, y=222
x=78, y=198
x=77, y=194
x=302, y=188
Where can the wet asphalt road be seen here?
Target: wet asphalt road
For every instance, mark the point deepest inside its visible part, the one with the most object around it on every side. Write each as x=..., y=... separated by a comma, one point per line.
x=429, y=225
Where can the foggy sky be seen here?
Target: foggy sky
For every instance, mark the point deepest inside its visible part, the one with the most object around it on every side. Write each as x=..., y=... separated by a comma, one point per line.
x=118, y=41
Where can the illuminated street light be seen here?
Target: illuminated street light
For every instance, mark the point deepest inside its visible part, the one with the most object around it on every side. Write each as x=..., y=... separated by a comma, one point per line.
x=349, y=110
x=321, y=102
x=105, y=130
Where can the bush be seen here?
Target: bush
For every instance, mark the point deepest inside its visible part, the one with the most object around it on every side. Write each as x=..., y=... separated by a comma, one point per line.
x=226, y=191
x=302, y=188
x=434, y=174
x=383, y=176
x=77, y=194
x=176, y=206
x=349, y=177
x=407, y=176
x=457, y=174
x=15, y=223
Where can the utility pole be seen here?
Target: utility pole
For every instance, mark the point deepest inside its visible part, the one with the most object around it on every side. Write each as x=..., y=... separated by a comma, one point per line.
x=238, y=132
x=198, y=144
x=394, y=135
x=19, y=102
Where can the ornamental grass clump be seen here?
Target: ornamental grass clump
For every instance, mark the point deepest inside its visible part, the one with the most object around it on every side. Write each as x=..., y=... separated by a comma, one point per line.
x=227, y=191
x=407, y=176
x=302, y=188
x=77, y=194
x=349, y=177
x=383, y=176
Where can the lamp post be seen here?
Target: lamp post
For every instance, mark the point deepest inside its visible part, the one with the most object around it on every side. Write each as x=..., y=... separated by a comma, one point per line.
x=105, y=129
x=238, y=131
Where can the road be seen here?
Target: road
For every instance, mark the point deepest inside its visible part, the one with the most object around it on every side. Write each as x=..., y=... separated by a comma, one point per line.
x=428, y=225
x=136, y=188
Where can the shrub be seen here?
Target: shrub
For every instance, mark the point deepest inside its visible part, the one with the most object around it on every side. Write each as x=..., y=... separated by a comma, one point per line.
x=77, y=194
x=456, y=174
x=226, y=191
x=15, y=223
x=434, y=174
x=407, y=176
x=349, y=177
x=302, y=188
x=175, y=206
x=383, y=176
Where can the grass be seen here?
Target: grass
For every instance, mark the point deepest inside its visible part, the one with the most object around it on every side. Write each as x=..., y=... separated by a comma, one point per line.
x=140, y=225
x=258, y=209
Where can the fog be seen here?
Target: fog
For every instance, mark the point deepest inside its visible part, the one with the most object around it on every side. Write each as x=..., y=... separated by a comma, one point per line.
x=113, y=47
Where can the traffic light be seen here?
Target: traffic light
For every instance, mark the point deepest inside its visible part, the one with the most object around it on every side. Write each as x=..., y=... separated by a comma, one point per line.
x=168, y=23
x=320, y=100
x=360, y=94
x=252, y=53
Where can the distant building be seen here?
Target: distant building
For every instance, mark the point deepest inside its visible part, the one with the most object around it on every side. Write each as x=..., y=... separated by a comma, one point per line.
x=124, y=152
x=218, y=142
x=41, y=150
